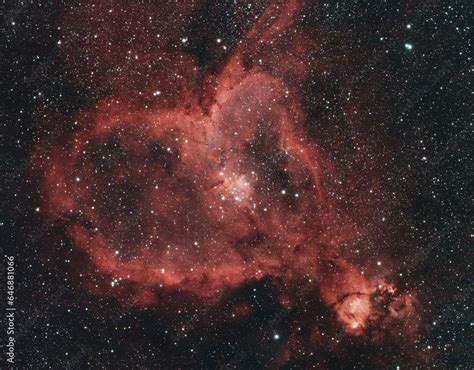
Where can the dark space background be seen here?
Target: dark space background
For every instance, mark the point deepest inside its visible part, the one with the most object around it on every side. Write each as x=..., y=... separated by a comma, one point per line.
x=422, y=50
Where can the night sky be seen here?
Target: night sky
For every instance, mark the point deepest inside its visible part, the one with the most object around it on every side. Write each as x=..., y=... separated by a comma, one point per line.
x=238, y=184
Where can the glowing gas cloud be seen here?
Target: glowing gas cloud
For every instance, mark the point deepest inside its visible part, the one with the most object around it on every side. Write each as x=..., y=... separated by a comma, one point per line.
x=195, y=183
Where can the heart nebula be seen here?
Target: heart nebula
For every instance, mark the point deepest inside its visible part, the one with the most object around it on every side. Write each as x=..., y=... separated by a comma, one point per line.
x=201, y=190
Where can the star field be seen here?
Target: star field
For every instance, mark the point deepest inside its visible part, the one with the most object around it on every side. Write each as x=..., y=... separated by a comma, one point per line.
x=257, y=184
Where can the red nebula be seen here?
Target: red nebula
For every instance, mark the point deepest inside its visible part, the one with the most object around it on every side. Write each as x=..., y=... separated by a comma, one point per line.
x=218, y=185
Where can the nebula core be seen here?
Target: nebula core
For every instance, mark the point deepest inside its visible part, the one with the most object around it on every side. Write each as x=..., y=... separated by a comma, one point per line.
x=203, y=170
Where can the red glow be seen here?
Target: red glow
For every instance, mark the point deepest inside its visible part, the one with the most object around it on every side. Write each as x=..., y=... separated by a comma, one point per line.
x=213, y=187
